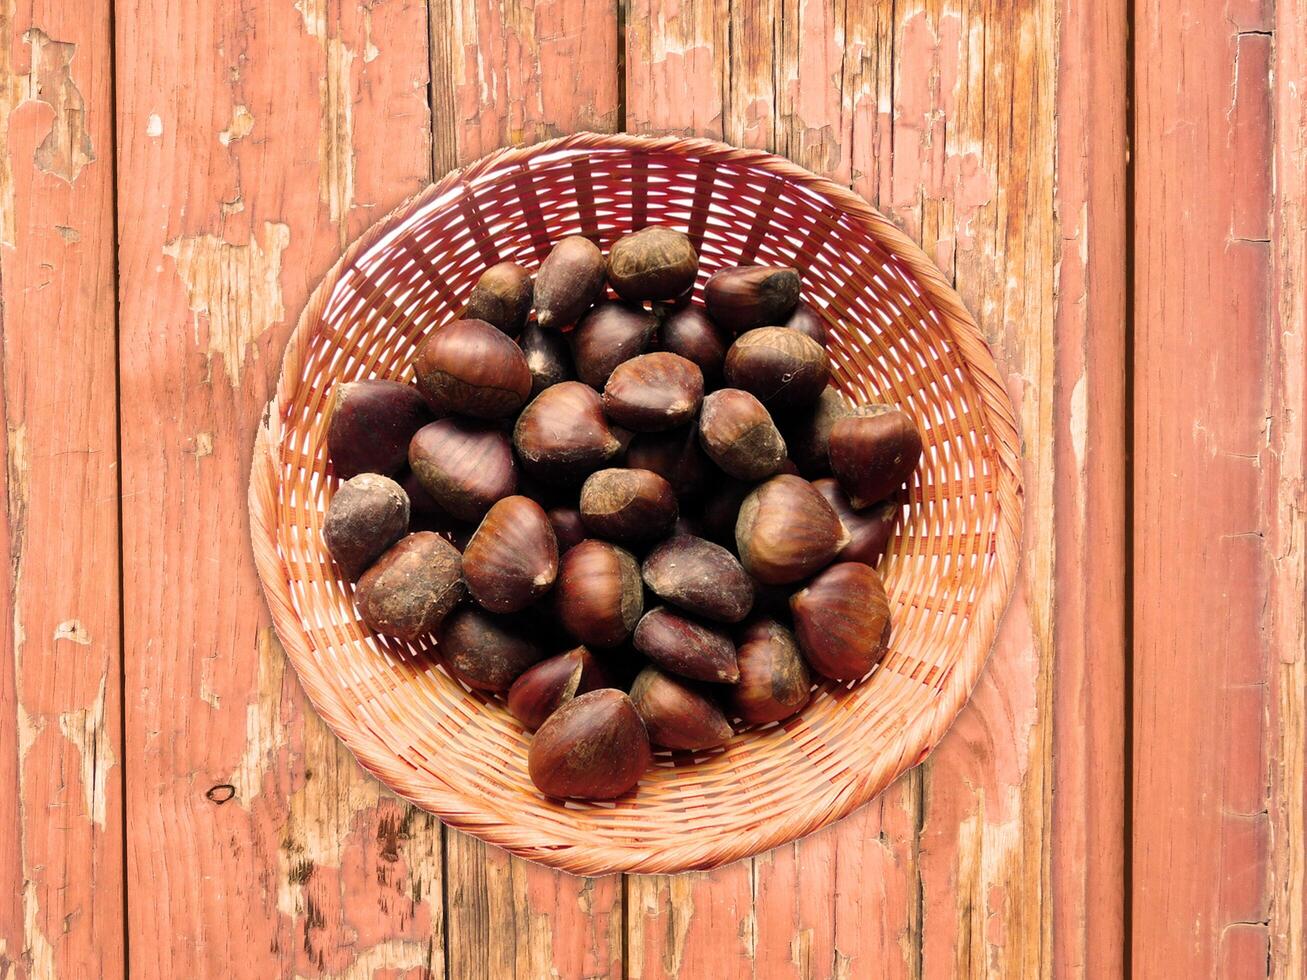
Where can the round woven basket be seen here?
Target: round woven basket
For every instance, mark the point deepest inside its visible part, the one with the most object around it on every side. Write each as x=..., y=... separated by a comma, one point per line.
x=898, y=334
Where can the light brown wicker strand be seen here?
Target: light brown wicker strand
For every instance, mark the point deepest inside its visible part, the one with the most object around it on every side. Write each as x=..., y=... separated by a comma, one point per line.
x=949, y=572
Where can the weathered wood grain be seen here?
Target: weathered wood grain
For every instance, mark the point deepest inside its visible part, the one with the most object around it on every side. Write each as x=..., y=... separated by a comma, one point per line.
x=1286, y=490
x=1088, y=833
x=505, y=73
x=253, y=139
x=1203, y=394
x=61, y=809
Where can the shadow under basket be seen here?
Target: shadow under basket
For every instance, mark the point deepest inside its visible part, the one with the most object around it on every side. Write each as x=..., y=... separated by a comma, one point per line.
x=898, y=333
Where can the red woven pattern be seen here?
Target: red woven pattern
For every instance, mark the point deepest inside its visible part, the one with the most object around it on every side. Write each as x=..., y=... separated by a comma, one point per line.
x=898, y=333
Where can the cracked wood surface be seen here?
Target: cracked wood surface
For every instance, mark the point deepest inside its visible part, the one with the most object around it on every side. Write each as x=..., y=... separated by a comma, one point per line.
x=253, y=139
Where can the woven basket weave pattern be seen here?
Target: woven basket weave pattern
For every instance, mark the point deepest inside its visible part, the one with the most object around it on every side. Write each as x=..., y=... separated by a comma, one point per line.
x=898, y=333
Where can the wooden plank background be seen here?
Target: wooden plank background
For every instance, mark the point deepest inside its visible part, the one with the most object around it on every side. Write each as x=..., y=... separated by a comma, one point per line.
x=1117, y=191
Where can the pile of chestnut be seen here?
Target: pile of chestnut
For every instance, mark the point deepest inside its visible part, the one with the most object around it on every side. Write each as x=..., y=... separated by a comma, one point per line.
x=670, y=494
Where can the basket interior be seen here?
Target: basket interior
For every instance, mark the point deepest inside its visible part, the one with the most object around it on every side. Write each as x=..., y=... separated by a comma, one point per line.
x=460, y=753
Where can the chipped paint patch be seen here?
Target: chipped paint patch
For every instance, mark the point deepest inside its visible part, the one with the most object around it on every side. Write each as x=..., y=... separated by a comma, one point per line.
x=241, y=125
x=200, y=445
x=1079, y=421
x=336, y=135
x=38, y=955
x=68, y=234
x=154, y=126
x=314, y=13
x=29, y=729
x=265, y=733
x=66, y=149
x=73, y=631
x=85, y=728
x=235, y=288
x=16, y=469
x=391, y=955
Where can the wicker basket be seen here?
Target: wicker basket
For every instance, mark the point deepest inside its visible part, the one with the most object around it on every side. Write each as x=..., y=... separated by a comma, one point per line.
x=898, y=333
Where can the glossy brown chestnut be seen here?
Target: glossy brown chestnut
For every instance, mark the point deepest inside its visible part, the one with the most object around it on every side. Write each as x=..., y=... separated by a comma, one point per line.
x=598, y=595
x=570, y=281
x=738, y=434
x=468, y=367
x=653, y=392
x=872, y=452
x=691, y=333
x=542, y=689
x=782, y=367
x=807, y=433
x=485, y=651
x=652, y=263
x=786, y=530
x=869, y=530
x=410, y=589
x=366, y=516
x=683, y=646
x=371, y=424
x=569, y=527
x=750, y=296
x=465, y=465
x=608, y=335
x=673, y=455
x=548, y=357
x=675, y=715
x=512, y=558
x=842, y=621
x=774, y=681
x=628, y=505
x=594, y=747
x=700, y=577
x=808, y=322
x=563, y=436
x=502, y=297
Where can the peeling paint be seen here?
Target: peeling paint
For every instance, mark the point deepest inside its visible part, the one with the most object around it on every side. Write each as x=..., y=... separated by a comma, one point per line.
x=265, y=733
x=68, y=234
x=235, y=288
x=16, y=469
x=66, y=149
x=85, y=728
x=241, y=125
x=73, y=631
x=393, y=954
x=336, y=135
x=1079, y=421
x=314, y=13
x=154, y=126
x=38, y=954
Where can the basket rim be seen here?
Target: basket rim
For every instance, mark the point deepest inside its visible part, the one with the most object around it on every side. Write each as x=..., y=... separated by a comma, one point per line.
x=916, y=740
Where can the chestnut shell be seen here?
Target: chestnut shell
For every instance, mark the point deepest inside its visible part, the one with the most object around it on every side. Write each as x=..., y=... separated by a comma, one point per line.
x=594, y=747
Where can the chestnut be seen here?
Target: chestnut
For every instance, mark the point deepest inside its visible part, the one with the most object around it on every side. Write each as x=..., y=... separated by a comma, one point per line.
x=569, y=527
x=786, y=530
x=686, y=647
x=738, y=434
x=485, y=651
x=570, y=281
x=598, y=594
x=548, y=357
x=594, y=747
x=673, y=455
x=807, y=433
x=808, y=322
x=675, y=715
x=869, y=530
x=691, y=333
x=465, y=465
x=512, y=559
x=653, y=392
x=750, y=296
x=652, y=263
x=502, y=298
x=608, y=335
x=411, y=588
x=782, y=367
x=700, y=577
x=562, y=436
x=628, y=505
x=872, y=452
x=540, y=691
x=774, y=681
x=366, y=516
x=468, y=367
x=842, y=621
x=370, y=424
